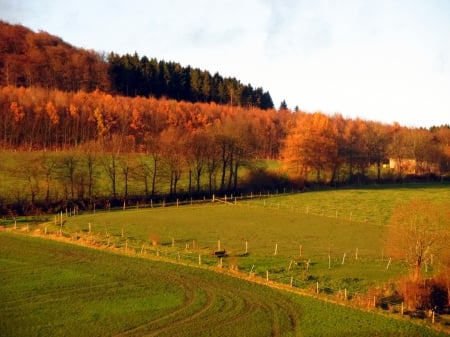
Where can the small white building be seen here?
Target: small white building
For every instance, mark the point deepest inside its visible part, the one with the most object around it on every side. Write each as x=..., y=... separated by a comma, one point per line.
x=411, y=166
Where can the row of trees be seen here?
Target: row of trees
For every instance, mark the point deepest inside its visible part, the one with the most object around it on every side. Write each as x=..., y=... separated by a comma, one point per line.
x=315, y=146
x=32, y=59
x=36, y=118
x=335, y=149
x=173, y=163
x=134, y=76
x=162, y=146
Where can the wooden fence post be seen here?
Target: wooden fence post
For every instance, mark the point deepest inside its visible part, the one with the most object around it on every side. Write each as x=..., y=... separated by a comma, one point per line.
x=329, y=258
x=389, y=262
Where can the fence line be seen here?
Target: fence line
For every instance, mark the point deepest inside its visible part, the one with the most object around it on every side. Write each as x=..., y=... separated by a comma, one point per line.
x=239, y=200
x=205, y=258
x=193, y=257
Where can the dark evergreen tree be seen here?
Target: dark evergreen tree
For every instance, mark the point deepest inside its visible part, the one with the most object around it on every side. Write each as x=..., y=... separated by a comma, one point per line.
x=132, y=76
x=283, y=105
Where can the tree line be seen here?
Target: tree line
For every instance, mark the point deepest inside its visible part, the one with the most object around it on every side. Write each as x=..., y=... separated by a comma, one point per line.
x=332, y=149
x=134, y=76
x=39, y=59
x=158, y=142
x=205, y=145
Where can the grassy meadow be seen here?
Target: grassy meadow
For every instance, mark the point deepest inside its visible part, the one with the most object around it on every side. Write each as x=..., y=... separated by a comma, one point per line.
x=52, y=288
x=331, y=241
x=341, y=233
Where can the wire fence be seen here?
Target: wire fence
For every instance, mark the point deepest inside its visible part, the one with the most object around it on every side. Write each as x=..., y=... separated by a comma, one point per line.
x=190, y=254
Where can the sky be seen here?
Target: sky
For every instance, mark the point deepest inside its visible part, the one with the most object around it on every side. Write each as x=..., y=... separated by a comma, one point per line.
x=379, y=60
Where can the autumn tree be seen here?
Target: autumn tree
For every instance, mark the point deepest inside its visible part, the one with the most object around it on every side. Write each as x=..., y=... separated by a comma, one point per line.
x=153, y=150
x=377, y=141
x=67, y=166
x=419, y=233
x=90, y=162
x=312, y=146
x=49, y=168
x=172, y=142
x=196, y=154
x=443, y=135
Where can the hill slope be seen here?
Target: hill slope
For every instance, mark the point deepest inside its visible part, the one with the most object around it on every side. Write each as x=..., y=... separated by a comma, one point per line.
x=30, y=59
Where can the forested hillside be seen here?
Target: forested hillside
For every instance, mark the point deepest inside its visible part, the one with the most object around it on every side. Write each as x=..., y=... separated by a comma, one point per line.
x=82, y=121
x=40, y=59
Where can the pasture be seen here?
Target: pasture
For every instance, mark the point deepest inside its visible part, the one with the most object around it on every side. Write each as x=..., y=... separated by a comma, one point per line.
x=333, y=240
x=52, y=288
x=154, y=271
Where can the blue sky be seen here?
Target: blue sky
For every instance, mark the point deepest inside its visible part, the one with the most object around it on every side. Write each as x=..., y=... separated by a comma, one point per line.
x=382, y=60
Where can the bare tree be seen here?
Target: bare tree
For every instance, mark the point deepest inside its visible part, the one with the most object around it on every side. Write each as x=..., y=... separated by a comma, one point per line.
x=68, y=165
x=419, y=233
x=49, y=166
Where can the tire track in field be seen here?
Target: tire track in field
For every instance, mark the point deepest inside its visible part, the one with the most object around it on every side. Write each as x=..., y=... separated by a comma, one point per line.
x=209, y=308
x=177, y=316
x=276, y=310
x=225, y=308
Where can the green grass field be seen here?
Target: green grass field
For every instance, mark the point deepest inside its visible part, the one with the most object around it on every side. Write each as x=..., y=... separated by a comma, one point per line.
x=50, y=288
x=341, y=233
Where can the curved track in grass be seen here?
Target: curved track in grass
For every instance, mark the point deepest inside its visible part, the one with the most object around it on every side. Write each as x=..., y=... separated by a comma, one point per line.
x=54, y=289
x=221, y=307
x=65, y=290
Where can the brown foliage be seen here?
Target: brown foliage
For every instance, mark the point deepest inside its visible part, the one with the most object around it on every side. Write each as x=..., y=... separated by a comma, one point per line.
x=40, y=59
